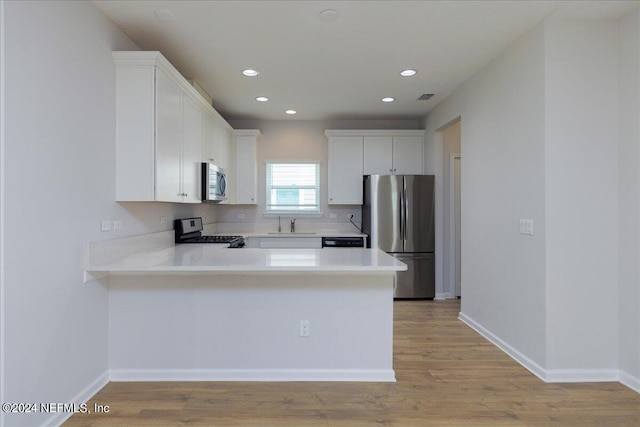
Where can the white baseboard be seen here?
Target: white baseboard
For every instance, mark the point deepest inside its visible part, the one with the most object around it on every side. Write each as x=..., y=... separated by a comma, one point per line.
x=630, y=381
x=554, y=375
x=444, y=295
x=82, y=397
x=527, y=363
x=275, y=375
x=580, y=375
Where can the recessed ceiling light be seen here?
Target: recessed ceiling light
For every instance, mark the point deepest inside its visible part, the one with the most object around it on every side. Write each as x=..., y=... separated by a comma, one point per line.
x=250, y=73
x=262, y=99
x=408, y=73
x=388, y=99
x=164, y=15
x=291, y=112
x=328, y=15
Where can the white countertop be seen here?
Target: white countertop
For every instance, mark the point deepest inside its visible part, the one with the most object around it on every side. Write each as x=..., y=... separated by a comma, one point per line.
x=212, y=259
x=285, y=234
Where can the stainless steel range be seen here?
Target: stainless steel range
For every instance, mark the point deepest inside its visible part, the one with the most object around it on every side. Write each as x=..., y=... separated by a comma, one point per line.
x=189, y=230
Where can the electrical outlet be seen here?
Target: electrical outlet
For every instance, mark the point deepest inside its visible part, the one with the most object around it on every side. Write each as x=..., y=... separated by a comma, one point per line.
x=240, y=216
x=333, y=216
x=105, y=226
x=350, y=216
x=304, y=328
x=117, y=225
x=163, y=220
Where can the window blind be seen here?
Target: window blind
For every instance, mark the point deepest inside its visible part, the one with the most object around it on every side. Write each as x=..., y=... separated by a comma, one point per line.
x=293, y=186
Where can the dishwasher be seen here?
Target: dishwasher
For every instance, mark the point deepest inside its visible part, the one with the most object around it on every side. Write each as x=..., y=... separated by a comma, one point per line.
x=343, y=242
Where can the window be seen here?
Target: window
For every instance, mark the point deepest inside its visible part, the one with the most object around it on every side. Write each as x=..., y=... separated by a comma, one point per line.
x=293, y=187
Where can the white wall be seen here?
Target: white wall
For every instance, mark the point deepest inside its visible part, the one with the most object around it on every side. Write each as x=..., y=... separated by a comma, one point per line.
x=502, y=138
x=629, y=193
x=59, y=183
x=540, y=141
x=581, y=161
x=299, y=140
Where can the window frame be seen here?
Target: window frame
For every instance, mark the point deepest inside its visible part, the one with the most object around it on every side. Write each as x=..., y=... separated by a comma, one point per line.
x=318, y=187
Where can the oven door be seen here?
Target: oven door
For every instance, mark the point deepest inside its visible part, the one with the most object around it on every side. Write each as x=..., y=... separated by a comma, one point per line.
x=214, y=183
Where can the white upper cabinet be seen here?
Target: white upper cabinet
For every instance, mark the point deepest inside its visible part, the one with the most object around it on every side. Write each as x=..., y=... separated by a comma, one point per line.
x=246, y=166
x=378, y=155
x=216, y=140
x=408, y=155
x=210, y=142
x=191, y=151
x=354, y=153
x=164, y=130
x=394, y=153
x=345, y=169
x=168, y=142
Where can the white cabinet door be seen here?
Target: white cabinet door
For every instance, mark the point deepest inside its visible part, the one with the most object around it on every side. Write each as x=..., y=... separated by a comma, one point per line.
x=227, y=160
x=345, y=170
x=246, y=167
x=191, y=150
x=209, y=139
x=408, y=155
x=168, y=137
x=378, y=155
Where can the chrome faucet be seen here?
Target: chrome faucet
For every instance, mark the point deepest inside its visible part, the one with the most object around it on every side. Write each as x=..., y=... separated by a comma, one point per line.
x=279, y=227
x=293, y=225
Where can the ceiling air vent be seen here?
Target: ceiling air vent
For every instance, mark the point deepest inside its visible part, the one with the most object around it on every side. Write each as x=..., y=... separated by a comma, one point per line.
x=425, y=97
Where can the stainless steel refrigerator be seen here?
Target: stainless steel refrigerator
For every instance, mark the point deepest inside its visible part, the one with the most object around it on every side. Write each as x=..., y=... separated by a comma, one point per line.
x=398, y=216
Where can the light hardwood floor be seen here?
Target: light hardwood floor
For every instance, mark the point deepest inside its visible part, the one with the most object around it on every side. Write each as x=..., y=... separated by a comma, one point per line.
x=446, y=375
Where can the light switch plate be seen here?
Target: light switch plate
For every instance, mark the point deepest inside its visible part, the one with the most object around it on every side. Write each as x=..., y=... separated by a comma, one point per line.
x=526, y=227
x=105, y=226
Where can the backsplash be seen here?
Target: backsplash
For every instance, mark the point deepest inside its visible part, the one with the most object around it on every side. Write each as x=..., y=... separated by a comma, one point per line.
x=253, y=214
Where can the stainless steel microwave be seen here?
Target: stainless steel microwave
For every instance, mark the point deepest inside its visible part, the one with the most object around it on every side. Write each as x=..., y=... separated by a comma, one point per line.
x=214, y=183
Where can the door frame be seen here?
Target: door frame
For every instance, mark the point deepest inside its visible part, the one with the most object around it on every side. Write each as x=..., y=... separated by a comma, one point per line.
x=452, y=227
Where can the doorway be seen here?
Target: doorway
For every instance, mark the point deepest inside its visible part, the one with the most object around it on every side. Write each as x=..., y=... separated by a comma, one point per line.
x=456, y=240
x=452, y=237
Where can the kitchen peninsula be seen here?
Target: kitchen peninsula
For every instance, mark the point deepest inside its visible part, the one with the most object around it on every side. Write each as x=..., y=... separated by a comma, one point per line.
x=204, y=312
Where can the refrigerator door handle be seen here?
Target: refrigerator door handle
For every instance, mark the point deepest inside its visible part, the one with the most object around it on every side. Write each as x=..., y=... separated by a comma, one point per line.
x=406, y=212
x=401, y=223
x=403, y=215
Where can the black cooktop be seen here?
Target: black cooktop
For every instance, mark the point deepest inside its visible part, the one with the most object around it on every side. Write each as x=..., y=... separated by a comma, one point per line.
x=189, y=230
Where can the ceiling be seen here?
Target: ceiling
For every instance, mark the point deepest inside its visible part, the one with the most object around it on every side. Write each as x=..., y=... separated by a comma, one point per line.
x=339, y=69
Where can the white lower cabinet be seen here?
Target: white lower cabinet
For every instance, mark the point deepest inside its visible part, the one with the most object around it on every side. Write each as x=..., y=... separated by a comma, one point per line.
x=284, y=242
